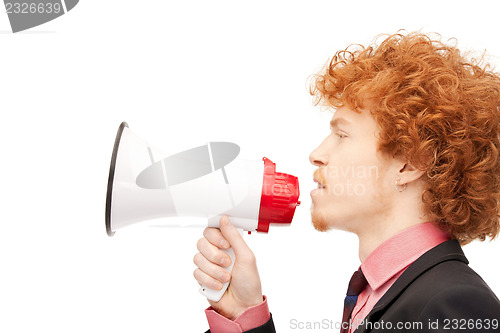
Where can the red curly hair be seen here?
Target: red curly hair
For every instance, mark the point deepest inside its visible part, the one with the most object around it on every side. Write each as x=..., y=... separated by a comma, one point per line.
x=437, y=110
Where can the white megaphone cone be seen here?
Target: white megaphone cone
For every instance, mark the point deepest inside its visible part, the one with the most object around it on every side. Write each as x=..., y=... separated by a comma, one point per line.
x=207, y=181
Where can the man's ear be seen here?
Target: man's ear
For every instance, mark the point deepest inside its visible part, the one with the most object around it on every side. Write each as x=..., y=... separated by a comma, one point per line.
x=409, y=173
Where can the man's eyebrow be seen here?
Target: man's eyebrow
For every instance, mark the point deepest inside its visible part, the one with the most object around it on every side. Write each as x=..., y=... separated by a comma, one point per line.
x=339, y=121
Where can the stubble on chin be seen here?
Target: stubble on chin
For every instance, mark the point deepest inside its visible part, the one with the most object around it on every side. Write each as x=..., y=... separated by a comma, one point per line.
x=319, y=221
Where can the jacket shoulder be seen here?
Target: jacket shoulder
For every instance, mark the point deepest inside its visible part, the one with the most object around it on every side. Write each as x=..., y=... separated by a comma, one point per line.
x=438, y=286
x=450, y=290
x=453, y=290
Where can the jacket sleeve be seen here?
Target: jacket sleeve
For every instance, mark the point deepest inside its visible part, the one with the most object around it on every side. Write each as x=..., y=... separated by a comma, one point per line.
x=462, y=308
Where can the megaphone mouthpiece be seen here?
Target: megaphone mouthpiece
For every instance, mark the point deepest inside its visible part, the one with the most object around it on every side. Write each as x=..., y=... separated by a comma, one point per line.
x=280, y=194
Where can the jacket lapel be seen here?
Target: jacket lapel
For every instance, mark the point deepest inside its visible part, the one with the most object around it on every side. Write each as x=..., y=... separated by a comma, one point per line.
x=448, y=250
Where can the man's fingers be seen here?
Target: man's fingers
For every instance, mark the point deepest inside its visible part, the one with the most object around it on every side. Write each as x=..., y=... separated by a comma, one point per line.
x=215, y=237
x=241, y=249
x=211, y=269
x=213, y=253
x=207, y=280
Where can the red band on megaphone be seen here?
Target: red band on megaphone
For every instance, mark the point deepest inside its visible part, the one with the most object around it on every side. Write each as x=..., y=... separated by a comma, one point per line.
x=280, y=194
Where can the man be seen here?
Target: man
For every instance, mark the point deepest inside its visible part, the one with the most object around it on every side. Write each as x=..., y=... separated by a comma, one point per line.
x=418, y=125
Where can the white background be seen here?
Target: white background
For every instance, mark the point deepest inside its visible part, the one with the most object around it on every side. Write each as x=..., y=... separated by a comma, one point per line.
x=180, y=73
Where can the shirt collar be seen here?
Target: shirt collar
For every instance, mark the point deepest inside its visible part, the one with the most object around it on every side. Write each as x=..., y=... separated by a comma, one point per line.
x=399, y=251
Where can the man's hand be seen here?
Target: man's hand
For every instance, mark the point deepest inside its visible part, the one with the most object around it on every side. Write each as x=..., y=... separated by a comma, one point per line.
x=245, y=288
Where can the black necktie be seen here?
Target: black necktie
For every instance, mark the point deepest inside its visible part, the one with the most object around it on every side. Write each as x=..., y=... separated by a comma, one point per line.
x=356, y=285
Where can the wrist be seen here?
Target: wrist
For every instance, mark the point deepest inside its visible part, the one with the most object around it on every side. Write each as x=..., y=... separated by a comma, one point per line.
x=239, y=310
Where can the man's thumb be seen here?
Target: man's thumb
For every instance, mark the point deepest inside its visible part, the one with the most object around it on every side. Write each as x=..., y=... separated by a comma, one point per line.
x=233, y=236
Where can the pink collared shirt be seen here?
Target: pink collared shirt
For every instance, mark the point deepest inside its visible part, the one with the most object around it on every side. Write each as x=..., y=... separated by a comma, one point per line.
x=253, y=317
x=381, y=269
x=389, y=260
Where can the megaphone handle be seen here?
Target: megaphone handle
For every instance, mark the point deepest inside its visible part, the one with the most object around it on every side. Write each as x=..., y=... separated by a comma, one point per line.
x=216, y=295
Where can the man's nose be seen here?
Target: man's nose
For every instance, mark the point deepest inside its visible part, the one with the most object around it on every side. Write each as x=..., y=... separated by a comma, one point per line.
x=318, y=157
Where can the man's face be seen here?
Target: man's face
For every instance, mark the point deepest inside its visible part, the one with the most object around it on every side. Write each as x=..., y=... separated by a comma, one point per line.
x=355, y=181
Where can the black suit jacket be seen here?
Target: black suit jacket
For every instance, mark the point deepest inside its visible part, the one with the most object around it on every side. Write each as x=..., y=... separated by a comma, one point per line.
x=438, y=292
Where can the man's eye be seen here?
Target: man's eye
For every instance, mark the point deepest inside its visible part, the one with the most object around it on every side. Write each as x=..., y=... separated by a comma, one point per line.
x=341, y=135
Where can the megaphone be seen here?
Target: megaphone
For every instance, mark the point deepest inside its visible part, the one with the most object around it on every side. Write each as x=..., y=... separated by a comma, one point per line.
x=207, y=181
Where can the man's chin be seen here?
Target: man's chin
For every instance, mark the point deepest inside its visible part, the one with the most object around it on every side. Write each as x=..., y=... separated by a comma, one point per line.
x=319, y=222
x=320, y=227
